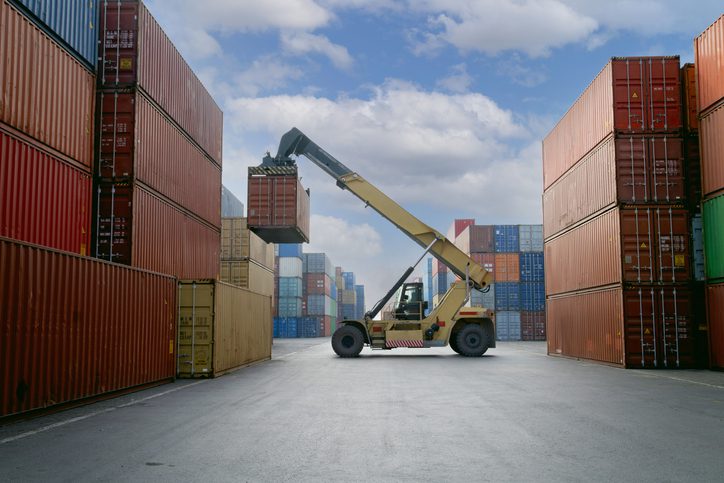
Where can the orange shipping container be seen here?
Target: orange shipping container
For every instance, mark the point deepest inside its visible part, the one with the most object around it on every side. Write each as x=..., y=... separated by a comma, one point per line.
x=507, y=267
x=711, y=134
x=688, y=98
x=44, y=91
x=709, y=61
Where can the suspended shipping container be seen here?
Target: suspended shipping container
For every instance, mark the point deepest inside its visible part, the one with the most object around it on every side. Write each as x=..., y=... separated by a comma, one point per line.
x=709, y=62
x=221, y=327
x=248, y=274
x=44, y=199
x=45, y=92
x=112, y=328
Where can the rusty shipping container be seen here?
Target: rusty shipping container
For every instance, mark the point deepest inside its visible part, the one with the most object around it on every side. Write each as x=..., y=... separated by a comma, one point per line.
x=507, y=267
x=139, y=142
x=688, y=98
x=221, y=327
x=635, y=95
x=112, y=328
x=135, y=52
x=637, y=327
x=715, y=309
x=622, y=169
x=711, y=133
x=278, y=206
x=625, y=244
x=137, y=228
x=476, y=239
x=44, y=199
x=709, y=62
x=533, y=326
x=44, y=91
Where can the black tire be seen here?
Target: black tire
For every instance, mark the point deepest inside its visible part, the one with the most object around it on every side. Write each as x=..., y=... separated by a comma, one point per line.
x=454, y=343
x=471, y=341
x=348, y=341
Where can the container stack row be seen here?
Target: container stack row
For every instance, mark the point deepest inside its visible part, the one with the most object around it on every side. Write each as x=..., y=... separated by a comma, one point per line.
x=246, y=260
x=617, y=222
x=157, y=175
x=709, y=56
x=319, y=293
x=514, y=255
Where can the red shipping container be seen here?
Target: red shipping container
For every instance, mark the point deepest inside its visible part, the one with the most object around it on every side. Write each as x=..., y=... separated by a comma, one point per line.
x=625, y=169
x=44, y=91
x=135, y=51
x=632, y=244
x=476, y=239
x=715, y=308
x=111, y=328
x=533, y=326
x=639, y=327
x=43, y=199
x=635, y=95
x=688, y=98
x=136, y=228
x=317, y=284
x=458, y=226
x=692, y=163
x=485, y=260
x=277, y=207
x=711, y=132
x=507, y=267
x=139, y=142
x=709, y=62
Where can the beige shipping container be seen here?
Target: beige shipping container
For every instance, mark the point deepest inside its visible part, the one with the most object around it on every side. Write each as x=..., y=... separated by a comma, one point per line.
x=347, y=297
x=248, y=274
x=239, y=243
x=221, y=327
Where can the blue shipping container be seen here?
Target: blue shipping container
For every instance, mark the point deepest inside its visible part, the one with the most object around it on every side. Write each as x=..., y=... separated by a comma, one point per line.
x=360, y=305
x=349, y=280
x=348, y=312
x=286, y=327
x=290, y=287
x=71, y=23
x=507, y=325
x=531, y=267
x=507, y=239
x=290, y=250
x=532, y=296
x=507, y=296
x=308, y=326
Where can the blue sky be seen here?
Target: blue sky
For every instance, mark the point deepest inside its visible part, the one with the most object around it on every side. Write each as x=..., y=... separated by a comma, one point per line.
x=440, y=103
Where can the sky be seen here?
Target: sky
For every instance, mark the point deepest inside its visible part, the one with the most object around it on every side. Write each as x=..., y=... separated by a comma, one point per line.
x=441, y=104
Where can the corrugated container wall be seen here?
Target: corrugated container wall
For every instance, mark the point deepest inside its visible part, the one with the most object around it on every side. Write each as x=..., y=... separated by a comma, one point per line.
x=278, y=207
x=290, y=267
x=711, y=128
x=476, y=239
x=34, y=71
x=714, y=238
x=689, y=97
x=248, y=274
x=507, y=239
x=709, y=61
x=43, y=199
x=112, y=328
x=507, y=325
x=531, y=238
x=715, y=307
x=73, y=23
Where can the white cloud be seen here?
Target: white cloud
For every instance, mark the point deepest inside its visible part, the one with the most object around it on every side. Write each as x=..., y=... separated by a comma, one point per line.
x=266, y=74
x=514, y=69
x=343, y=240
x=458, y=81
x=304, y=43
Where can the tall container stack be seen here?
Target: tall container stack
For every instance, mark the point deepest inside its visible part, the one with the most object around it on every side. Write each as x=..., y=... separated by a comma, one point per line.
x=47, y=92
x=247, y=261
x=290, y=281
x=359, y=291
x=347, y=298
x=158, y=168
x=709, y=56
x=616, y=222
x=320, y=294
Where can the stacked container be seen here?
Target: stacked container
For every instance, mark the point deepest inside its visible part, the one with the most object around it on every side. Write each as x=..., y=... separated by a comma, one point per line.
x=320, y=293
x=709, y=54
x=47, y=90
x=158, y=166
x=359, y=302
x=347, y=297
x=246, y=260
x=616, y=222
x=289, y=280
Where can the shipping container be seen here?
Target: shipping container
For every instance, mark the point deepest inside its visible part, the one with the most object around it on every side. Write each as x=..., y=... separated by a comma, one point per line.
x=318, y=284
x=631, y=244
x=714, y=237
x=347, y=297
x=692, y=160
x=644, y=326
x=715, y=308
x=278, y=206
x=310, y=327
x=239, y=243
x=111, y=329
x=135, y=227
x=698, y=267
x=290, y=250
x=290, y=287
x=688, y=98
x=289, y=306
x=290, y=267
x=135, y=52
x=442, y=282
x=483, y=299
x=507, y=267
x=248, y=274
x=485, y=260
x=507, y=239
x=507, y=325
x=533, y=326
x=711, y=128
x=45, y=92
x=349, y=280
x=231, y=206
x=286, y=327
x=321, y=305
x=531, y=238
x=531, y=267
x=221, y=327
x=507, y=296
x=360, y=303
x=634, y=95
x=623, y=169
x=43, y=199
x=71, y=24
x=318, y=263
x=477, y=239
x=709, y=62
x=457, y=227
x=532, y=296
x=139, y=142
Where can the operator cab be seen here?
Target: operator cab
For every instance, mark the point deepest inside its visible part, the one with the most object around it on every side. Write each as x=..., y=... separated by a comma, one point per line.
x=410, y=304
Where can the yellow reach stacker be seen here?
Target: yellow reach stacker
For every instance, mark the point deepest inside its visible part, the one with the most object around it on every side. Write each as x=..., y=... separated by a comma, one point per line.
x=470, y=331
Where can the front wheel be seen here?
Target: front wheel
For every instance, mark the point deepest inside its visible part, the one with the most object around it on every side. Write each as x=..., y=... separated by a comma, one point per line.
x=471, y=341
x=348, y=341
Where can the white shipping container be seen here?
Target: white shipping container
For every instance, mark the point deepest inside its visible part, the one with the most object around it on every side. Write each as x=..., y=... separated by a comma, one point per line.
x=290, y=267
x=507, y=325
x=531, y=238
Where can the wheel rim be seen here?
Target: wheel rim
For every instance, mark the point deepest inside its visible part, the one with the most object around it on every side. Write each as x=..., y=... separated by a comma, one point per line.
x=347, y=341
x=472, y=340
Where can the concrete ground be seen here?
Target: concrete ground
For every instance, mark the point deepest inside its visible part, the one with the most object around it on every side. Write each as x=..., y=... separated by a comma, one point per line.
x=403, y=415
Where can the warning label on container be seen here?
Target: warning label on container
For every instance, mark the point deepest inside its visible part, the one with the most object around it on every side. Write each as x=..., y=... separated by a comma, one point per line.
x=634, y=95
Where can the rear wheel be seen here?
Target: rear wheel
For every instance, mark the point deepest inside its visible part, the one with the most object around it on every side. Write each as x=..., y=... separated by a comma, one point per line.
x=348, y=341
x=454, y=343
x=471, y=341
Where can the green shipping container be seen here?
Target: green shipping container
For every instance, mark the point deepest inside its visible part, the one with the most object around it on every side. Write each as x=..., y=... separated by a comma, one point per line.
x=714, y=238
